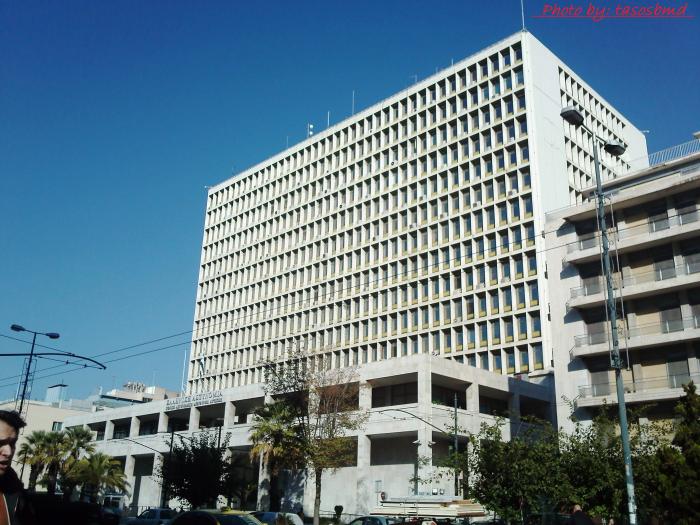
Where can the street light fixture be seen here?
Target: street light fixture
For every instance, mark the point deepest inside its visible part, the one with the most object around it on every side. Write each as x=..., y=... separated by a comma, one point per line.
x=574, y=117
x=50, y=335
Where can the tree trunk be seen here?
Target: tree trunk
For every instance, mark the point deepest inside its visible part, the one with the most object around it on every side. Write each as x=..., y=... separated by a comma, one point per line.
x=317, y=497
x=33, y=476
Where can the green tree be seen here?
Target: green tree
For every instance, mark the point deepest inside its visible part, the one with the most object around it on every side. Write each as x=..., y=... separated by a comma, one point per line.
x=195, y=470
x=517, y=477
x=31, y=452
x=678, y=484
x=77, y=442
x=324, y=404
x=97, y=474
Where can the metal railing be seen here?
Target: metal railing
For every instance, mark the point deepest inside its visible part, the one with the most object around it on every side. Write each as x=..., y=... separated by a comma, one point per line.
x=651, y=225
x=674, y=152
x=690, y=266
x=643, y=385
x=663, y=327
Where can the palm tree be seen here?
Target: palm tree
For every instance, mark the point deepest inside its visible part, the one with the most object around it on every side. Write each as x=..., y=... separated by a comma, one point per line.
x=77, y=441
x=276, y=441
x=52, y=454
x=31, y=453
x=97, y=473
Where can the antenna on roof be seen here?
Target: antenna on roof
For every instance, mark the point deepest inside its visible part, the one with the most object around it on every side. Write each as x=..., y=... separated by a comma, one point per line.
x=522, y=13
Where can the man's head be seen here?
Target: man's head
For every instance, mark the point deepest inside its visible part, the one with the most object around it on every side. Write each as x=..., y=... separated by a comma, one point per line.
x=10, y=423
x=577, y=508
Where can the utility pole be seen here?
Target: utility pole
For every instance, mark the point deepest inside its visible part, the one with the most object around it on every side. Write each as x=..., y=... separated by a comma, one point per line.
x=456, y=448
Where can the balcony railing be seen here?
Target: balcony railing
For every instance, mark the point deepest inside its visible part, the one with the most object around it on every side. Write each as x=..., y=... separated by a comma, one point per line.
x=641, y=386
x=651, y=225
x=690, y=266
x=664, y=327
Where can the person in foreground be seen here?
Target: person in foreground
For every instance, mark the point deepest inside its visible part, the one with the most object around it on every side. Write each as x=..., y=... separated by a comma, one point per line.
x=14, y=508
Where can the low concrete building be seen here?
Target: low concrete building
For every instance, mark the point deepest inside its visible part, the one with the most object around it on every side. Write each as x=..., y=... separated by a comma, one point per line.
x=409, y=402
x=654, y=229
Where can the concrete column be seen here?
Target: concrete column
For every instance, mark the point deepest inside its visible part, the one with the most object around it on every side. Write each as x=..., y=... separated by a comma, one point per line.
x=425, y=396
x=686, y=309
x=194, y=419
x=514, y=405
x=365, y=395
x=134, y=427
x=129, y=464
x=157, y=465
x=693, y=362
x=365, y=497
x=425, y=459
x=473, y=398
x=163, y=420
x=263, y=486
x=229, y=414
x=109, y=429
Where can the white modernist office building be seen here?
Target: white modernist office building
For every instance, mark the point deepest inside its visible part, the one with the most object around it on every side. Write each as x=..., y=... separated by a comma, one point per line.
x=404, y=241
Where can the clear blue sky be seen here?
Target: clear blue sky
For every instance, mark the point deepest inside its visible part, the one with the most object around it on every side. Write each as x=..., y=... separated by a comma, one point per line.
x=114, y=116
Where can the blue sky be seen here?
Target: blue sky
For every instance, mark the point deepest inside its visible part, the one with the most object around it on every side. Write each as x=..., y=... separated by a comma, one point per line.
x=114, y=116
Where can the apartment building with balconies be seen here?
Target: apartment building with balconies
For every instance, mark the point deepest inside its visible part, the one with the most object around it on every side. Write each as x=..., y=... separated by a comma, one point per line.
x=653, y=217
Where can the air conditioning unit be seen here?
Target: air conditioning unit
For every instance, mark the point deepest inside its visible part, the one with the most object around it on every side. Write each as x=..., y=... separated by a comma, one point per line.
x=477, y=204
x=421, y=198
x=340, y=205
x=443, y=216
x=413, y=225
x=512, y=193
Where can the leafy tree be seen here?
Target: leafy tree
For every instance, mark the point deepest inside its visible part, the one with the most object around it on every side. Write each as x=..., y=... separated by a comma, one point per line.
x=196, y=469
x=678, y=465
x=98, y=473
x=77, y=441
x=324, y=405
x=47, y=455
x=31, y=452
x=240, y=478
x=518, y=477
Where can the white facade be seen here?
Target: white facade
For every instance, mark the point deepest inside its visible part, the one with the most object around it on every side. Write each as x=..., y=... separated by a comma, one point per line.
x=411, y=227
x=654, y=227
x=405, y=242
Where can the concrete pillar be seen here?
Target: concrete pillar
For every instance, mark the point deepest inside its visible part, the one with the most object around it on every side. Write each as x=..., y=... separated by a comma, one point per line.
x=157, y=465
x=263, y=486
x=109, y=429
x=163, y=420
x=425, y=459
x=229, y=414
x=134, y=427
x=364, y=493
x=129, y=464
x=425, y=396
x=193, y=423
x=686, y=309
x=514, y=405
x=473, y=398
x=693, y=363
x=365, y=395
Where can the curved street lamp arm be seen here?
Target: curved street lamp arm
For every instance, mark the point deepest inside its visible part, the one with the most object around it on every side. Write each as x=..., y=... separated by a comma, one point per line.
x=66, y=354
x=139, y=443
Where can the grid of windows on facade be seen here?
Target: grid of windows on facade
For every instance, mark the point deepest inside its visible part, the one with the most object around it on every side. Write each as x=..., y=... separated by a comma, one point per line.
x=407, y=230
x=604, y=122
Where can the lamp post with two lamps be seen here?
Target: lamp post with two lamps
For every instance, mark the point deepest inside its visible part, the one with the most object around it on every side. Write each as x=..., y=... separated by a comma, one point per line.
x=25, y=381
x=574, y=117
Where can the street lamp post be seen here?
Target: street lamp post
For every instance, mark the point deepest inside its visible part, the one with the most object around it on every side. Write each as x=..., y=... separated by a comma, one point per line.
x=574, y=117
x=50, y=335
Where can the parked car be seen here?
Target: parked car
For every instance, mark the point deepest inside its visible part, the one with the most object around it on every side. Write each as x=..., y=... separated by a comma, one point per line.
x=215, y=517
x=155, y=516
x=375, y=520
x=278, y=518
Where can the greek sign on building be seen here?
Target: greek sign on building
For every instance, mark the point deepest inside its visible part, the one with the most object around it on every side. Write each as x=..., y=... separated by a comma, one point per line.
x=196, y=400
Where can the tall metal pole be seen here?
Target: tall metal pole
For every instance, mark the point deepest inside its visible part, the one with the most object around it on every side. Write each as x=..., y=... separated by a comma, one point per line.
x=615, y=360
x=26, y=375
x=456, y=448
